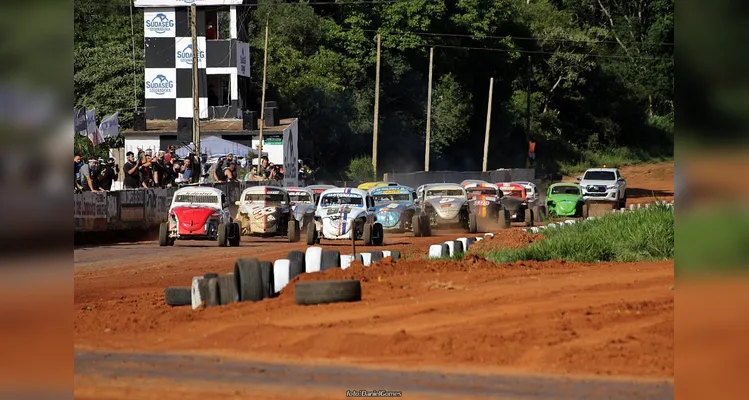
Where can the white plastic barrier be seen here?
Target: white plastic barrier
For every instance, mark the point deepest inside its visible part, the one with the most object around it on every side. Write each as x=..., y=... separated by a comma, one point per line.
x=366, y=259
x=313, y=259
x=346, y=260
x=552, y=225
x=280, y=274
x=465, y=243
x=570, y=221
x=590, y=218
x=195, y=292
x=435, y=251
x=386, y=253
x=489, y=234
x=533, y=229
x=479, y=238
x=451, y=248
x=631, y=207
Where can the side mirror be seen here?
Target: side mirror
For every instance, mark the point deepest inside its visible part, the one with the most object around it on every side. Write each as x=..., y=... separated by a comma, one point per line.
x=620, y=180
x=237, y=202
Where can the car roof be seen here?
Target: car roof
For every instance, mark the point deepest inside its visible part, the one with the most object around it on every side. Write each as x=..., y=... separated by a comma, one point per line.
x=515, y=185
x=433, y=186
x=480, y=185
x=300, y=189
x=564, y=184
x=400, y=189
x=198, y=189
x=601, y=169
x=524, y=183
x=313, y=187
x=262, y=189
x=360, y=192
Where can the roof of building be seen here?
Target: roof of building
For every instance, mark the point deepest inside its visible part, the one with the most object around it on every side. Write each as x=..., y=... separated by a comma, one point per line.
x=214, y=126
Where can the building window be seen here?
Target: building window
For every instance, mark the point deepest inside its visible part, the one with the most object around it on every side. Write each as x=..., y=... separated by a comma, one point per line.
x=219, y=93
x=218, y=24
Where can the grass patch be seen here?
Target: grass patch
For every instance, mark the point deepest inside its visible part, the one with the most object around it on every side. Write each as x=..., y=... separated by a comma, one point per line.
x=643, y=235
x=457, y=256
x=612, y=158
x=713, y=240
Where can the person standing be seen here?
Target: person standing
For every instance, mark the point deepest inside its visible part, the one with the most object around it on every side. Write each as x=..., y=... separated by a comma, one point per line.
x=132, y=172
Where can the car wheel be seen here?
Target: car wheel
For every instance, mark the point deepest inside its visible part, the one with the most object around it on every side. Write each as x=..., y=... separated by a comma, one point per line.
x=235, y=234
x=503, y=219
x=378, y=237
x=293, y=230
x=426, y=227
x=528, y=217
x=311, y=234
x=416, y=225
x=221, y=236
x=368, y=230
x=473, y=225
x=163, y=234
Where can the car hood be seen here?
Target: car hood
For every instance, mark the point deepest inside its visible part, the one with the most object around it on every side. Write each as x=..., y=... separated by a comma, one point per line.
x=558, y=198
x=391, y=207
x=340, y=212
x=596, y=183
x=193, y=218
x=258, y=210
x=447, y=207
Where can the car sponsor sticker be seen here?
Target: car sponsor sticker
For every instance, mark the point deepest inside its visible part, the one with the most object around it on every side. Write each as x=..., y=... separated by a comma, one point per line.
x=446, y=200
x=482, y=203
x=393, y=205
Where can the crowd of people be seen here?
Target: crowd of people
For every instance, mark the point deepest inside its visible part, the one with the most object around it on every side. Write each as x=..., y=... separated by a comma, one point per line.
x=148, y=169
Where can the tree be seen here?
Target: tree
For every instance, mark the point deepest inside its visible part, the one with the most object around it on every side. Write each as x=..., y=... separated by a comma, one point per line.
x=360, y=169
x=451, y=112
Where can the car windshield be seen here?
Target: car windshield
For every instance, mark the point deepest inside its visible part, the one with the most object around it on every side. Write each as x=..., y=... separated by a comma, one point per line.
x=300, y=197
x=334, y=199
x=513, y=192
x=574, y=190
x=197, y=198
x=444, y=192
x=599, y=176
x=275, y=198
x=481, y=191
x=385, y=198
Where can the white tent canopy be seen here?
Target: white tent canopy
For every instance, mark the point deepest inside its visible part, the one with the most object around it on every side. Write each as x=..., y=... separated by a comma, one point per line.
x=214, y=145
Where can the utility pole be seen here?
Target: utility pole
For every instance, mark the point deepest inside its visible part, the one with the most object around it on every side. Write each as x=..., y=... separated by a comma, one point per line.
x=528, y=111
x=376, y=108
x=429, y=111
x=262, y=101
x=195, y=86
x=488, y=123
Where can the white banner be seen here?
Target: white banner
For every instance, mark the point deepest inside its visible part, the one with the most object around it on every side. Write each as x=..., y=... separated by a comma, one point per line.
x=80, y=121
x=183, y=52
x=185, y=3
x=110, y=126
x=291, y=156
x=243, y=59
x=159, y=22
x=161, y=83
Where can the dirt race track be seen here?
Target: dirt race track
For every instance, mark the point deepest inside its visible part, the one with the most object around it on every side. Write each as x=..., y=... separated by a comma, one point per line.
x=432, y=329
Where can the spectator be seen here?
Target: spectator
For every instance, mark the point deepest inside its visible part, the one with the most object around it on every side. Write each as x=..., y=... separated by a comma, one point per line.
x=132, y=171
x=252, y=175
x=86, y=181
x=146, y=172
x=109, y=173
x=77, y=164
x=231, y=173
x=159, y=169
x=185, y=171
x=171, y=154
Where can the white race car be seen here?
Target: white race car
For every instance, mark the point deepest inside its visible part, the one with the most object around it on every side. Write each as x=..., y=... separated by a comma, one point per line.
x=447, y=204
x=343, y=212
x=266, y=211
x=199, y=213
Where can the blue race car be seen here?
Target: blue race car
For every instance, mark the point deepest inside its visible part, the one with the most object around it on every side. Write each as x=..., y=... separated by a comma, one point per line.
x=395, y=207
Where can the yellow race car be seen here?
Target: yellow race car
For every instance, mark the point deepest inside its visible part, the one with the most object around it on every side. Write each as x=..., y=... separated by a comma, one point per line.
x=370, y=185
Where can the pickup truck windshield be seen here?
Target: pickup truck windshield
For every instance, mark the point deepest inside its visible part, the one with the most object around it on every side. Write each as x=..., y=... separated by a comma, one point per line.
x=599, y=176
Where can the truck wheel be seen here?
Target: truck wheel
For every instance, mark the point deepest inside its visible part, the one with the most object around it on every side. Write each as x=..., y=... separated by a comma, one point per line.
x=416, y=225
x=473, y=225
x=163, y=234
x=221, y=236
x=311, y=234
x=528, y=217
x=378, y=234
x=293, y=229
x=368, y=234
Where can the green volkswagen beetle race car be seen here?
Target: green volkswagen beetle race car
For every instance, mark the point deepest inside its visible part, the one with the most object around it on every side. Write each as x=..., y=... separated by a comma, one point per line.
x=565, y=200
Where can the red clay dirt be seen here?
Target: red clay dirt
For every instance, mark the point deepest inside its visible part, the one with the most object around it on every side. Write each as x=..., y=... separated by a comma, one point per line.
x=539, y=317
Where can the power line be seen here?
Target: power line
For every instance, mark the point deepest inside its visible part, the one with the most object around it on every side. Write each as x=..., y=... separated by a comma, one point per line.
x=542, y=52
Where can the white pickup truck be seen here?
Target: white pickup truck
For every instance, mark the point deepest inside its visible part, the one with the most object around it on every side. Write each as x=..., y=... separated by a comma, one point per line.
x=604, y=184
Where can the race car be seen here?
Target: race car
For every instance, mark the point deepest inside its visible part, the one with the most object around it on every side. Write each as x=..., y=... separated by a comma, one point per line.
x=485, y=200
x=266, y=211
x=370, y=185
x=531, y=192
x=396, y=210
x=514, y=199
x=566, y=200
x=303, y=204
x=346, y=213
x=199, y=213
x=318, y=189
x=446, y=204
x=470, y=181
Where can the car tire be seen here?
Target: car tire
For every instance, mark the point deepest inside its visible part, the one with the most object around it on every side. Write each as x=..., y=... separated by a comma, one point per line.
x=227, y=289
x=266, y=274
x=395, y=255
x=221, y=236
x=324, y=292
x=504, y=218
x=330, y=259
x=178, y=296
x=249, y=279
x=458, y=247
x=367, y=236
x=209, y=291
x=528, y=217
x=293, y=230
x=296, y=263
x=378, y=234
x=426, y=227
x=416, y=225
x=163, y=234
x=311, y=234
x=236, y=234
x=375, y=256
x=473, y=225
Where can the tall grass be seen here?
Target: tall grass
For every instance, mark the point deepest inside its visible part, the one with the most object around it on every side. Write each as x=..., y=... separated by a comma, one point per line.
x=642, y=235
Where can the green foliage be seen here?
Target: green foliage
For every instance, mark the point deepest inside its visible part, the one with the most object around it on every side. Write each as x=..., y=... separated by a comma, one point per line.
x=600, y=76
x=642, y=235
x=713, y=240
x=361, y=169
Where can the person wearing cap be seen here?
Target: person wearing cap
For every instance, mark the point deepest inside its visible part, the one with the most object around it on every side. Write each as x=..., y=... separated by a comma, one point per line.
x=109, y=174
x=87, y=182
